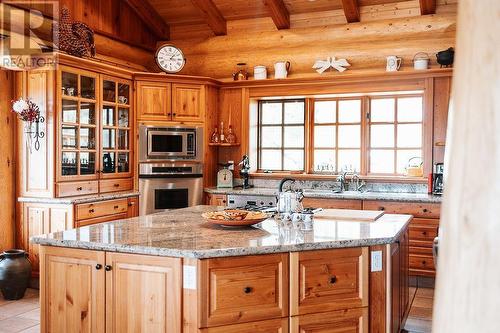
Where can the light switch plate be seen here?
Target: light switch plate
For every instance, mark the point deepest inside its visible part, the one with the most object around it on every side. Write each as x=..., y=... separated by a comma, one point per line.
x=376, y=261
x=189, y=277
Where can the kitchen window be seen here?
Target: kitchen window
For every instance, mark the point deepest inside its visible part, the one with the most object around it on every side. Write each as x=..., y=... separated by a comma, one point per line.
x=372, y=134
x=281, y=135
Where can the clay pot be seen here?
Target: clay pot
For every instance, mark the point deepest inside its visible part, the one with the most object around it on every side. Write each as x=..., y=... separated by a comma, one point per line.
x=15, y=273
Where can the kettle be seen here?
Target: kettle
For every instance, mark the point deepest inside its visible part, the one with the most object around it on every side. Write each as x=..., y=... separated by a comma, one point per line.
x=445, y=58
x=242, y=73
x=289, y=201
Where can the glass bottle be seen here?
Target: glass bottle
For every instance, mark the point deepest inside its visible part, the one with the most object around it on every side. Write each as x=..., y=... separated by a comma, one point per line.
x=230, y=137
x=222, y=136
x=215, y=136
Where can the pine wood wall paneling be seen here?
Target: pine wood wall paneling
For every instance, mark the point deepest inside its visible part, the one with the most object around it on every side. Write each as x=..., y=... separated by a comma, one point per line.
x=7, y=162
x=365, y=45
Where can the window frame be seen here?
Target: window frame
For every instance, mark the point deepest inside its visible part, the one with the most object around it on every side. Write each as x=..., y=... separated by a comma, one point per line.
x=365, y=127
x=283, y=126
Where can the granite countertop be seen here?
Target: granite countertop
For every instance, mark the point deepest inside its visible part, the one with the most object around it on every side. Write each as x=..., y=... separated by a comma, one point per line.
x=184, y=233
x=329, y=194
x=81, y=199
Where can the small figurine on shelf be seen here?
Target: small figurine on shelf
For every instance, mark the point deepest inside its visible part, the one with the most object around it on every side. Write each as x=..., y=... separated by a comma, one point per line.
x=230, y=137
x=222, y=137
x=215, y=136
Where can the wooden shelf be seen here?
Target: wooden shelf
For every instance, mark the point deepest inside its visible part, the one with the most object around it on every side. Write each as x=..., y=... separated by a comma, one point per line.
x=223, y=144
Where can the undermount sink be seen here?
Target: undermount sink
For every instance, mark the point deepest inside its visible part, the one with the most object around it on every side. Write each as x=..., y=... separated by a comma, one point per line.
x=347, y=192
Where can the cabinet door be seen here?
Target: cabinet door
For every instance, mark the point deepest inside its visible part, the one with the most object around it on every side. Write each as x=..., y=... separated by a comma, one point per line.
x=78, y=124
x=133, y=207
x=72, y=290
x=353, y=320
x=116, y=129
x=395, y=287
x=188, y=102
x=328, y=280
x=217, y=199
x=143, y=293
x=153, y=101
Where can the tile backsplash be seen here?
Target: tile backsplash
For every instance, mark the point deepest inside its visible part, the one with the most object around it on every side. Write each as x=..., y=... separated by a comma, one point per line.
x=334, y=185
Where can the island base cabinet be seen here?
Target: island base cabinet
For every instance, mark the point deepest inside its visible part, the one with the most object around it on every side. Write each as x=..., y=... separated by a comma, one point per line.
x=96, y=291
x=352, y=320
x=72, y=290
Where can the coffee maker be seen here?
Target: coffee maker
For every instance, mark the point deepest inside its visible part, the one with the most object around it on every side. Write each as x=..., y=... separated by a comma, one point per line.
x=437, y=179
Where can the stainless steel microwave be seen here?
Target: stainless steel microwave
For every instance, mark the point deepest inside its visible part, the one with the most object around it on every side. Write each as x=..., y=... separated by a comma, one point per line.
x=170, y=143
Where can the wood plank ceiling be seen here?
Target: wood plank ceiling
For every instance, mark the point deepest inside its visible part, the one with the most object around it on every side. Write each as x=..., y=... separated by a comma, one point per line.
x=216, y=13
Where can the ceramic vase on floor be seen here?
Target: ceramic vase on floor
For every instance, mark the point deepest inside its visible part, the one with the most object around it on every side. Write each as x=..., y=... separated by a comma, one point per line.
x=15, y=273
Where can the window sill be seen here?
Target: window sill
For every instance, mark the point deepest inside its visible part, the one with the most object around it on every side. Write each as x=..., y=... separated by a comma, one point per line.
x=312, y=176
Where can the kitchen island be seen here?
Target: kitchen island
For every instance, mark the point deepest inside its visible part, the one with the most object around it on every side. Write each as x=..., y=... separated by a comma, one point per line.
x=174, y=272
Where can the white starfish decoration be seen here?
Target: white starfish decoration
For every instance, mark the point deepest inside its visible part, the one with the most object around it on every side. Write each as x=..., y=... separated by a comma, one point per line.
x=323, y=65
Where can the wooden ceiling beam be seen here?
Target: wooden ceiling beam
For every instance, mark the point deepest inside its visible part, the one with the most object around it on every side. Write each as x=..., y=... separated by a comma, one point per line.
x=427, y=7
x=150, y=17
x=212, y=16
x=279, y=13
x=351, y=10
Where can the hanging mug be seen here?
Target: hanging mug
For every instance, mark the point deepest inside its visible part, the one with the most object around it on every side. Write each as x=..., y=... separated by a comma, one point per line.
x=393, y=64
x=281, y=69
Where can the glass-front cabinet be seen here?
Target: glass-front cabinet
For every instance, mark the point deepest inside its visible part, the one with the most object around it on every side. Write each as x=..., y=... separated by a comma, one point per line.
x=78, y=125
x=95, y=126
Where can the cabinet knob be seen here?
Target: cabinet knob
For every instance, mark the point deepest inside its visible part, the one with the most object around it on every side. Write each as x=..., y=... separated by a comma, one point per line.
x=174, y=114
x=98, y=266
x=116, y=185
x=424, y=233
x=91, y=210
x=115, y=207
x=130, y=204
x=79, y=188
x=381, y=208
x=247, y=290
x=425, y=210
x=107, y=268
x=333, y=279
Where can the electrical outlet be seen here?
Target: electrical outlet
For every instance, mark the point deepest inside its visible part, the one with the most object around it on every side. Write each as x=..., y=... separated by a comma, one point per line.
x=376, y=260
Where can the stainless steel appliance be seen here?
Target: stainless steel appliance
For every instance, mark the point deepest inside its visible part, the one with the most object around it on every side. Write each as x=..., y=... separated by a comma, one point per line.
x=169, y=185
x=170, y=143
x=438, y=179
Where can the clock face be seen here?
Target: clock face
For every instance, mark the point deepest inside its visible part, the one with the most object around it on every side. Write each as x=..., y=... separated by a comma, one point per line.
x=170, y=58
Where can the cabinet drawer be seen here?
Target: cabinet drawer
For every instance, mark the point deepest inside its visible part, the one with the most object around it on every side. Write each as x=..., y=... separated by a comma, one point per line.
x=82, y=223
x=332, y=203
x=352, y=321
x=422, y=235
x=422, y=262
x=244, y=289
x=424, y=222
x=420, y=250
x=103, y=208
x=113, y=185
x=264, y=326
x=77, y=188
x=416, y=209
x=328, y=280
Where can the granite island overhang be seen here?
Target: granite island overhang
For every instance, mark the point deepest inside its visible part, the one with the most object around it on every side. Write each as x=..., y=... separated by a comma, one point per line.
x=175, y=272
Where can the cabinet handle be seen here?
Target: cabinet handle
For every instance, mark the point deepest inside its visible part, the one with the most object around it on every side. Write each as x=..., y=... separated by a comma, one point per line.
x=91, y=210
x=333, y=279
x=115, y=207
x=424, y=233
x=174, y=114
x=107, y=268
x=223, y=201
x=169, y=114
x=425, y=210
x=116, y=185
x=381, y=208
x=98, y=266
x=79, y=188
x=247, y=290
x=424, y=262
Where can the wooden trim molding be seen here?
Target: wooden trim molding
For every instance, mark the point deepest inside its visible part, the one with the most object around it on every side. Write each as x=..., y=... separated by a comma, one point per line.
x=351, y=10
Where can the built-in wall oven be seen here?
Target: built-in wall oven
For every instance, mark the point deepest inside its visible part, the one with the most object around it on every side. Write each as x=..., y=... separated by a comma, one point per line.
x=169, y=186
x=170, y=143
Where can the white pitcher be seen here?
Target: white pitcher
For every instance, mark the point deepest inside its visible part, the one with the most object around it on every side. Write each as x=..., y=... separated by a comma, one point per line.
x=281, y=69
x=393, y=64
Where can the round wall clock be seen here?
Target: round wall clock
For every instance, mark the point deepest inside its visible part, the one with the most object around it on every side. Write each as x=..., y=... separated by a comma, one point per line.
x=170, y=58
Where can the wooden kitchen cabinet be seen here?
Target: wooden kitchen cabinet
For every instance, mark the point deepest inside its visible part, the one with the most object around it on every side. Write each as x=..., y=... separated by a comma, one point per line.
x=105, y=211
x=243, y=289
x=352, y=320
x=72, y=290
x=94, y=291
x=400, y=302
x=328, y=280
x=188, y=102
x=264, y=326
x=138, y=284
x=332, y=203
x=154, y=101
x=217, y=199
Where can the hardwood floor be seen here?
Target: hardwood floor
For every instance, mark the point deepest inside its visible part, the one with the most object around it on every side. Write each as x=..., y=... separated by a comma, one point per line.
x=24, y=315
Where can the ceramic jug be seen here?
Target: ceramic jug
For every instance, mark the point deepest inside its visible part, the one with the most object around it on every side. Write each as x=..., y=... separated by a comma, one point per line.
x=281, y=69
x=393, y=63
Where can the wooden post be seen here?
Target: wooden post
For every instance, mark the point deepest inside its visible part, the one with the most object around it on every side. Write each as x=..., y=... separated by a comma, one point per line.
x=468, y=277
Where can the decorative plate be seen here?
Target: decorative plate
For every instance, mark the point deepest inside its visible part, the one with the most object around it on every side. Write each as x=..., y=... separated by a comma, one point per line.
x=235, y=217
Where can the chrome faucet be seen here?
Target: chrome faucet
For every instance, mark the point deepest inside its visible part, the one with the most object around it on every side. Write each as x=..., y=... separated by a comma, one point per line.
x=355, y=180
x=359, y=184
